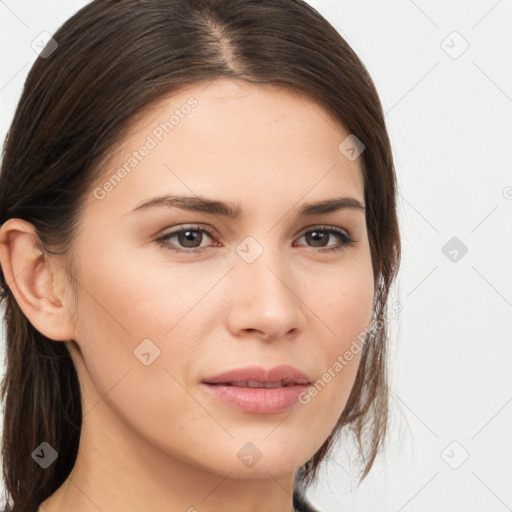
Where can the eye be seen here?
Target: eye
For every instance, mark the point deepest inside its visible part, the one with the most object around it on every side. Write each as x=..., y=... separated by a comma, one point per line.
x=320, y=236
x=188, y=236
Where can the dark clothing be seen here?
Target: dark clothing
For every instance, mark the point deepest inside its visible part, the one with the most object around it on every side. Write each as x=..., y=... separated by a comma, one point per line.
x=301, y=504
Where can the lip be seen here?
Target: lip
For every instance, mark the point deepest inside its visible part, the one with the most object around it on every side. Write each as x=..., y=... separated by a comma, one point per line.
x=231, y=388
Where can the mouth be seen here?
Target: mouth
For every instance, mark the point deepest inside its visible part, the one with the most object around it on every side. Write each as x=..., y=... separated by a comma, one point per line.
x=256, y=384
x=257, y=376
x=258, y=390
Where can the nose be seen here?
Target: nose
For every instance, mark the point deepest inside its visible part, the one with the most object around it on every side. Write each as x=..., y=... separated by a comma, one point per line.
x=265, y=297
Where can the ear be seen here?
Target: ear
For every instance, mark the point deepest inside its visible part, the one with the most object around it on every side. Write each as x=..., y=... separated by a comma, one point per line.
x=31, y=276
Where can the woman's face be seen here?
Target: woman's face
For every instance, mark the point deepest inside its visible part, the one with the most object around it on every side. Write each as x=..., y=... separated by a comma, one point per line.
x=160, y=314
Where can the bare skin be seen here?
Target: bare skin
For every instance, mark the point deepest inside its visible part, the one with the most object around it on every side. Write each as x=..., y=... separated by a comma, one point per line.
x=152, y=438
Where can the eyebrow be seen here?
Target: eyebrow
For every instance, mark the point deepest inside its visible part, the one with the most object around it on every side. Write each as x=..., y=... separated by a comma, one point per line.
x=234, y=211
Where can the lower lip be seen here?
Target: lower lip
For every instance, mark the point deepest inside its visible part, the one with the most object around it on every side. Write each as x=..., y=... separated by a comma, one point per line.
x=257, y=400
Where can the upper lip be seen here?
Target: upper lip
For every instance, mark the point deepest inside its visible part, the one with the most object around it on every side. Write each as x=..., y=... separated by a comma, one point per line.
x=283, y=373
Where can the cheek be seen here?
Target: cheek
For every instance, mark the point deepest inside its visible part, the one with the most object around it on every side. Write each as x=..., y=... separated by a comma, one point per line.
x=346, y=308
x=124, y=315
x=141, y=299
x=128, y=309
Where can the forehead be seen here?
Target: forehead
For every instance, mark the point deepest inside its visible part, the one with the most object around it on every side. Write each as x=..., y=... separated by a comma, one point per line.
x=233, y=140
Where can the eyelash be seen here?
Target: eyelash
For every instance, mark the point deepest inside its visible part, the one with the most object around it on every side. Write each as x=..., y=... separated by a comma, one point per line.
x=346, y=238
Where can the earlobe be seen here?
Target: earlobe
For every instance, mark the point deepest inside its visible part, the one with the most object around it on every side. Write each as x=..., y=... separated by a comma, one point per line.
x=29, y=275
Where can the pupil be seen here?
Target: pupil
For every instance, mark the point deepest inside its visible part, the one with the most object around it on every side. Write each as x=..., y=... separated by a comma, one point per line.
x=318, y=237
x=189, y=236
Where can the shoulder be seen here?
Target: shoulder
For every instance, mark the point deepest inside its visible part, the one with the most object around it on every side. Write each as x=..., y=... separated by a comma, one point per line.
x=301, y=504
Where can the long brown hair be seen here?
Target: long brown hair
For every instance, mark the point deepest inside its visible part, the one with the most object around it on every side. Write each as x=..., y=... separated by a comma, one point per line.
x=113, y=59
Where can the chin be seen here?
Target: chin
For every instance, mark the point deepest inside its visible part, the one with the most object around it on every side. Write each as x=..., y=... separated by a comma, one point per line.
x=246, y=460
x=262, y=470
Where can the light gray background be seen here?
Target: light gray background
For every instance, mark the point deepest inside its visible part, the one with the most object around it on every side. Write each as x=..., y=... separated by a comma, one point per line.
x=449, y=118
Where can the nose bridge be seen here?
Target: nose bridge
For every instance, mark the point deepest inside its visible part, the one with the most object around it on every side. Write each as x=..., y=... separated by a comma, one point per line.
x=260, y=263
x=262, y=287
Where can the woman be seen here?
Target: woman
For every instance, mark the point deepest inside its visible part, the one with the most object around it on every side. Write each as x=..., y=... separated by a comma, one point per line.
x=199, y=234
